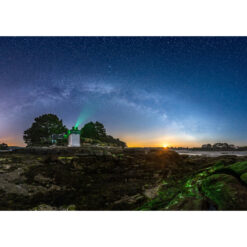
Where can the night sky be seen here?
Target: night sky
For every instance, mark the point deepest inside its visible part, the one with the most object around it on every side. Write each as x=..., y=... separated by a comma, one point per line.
x=147, y=91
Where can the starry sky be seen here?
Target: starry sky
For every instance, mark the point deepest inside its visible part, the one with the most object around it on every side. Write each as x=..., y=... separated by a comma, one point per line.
x=147, y=91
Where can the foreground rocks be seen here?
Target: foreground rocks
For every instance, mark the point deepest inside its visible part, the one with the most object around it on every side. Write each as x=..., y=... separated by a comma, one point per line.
x=120, y=179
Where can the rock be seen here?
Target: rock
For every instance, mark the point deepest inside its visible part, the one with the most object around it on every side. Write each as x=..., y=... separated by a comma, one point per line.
x=160, y=202
x=243, y=177
x=187, y=203
x=71, y=207
x=41, y=179
x=54, y=187
x=107, y=153
x=112, y=179
x=98, y=152
x=151, y=193
x=239, y=167
x=44, y=207
x=13, y=188
x=225, y=191
x=128, y=201
x=6, y=167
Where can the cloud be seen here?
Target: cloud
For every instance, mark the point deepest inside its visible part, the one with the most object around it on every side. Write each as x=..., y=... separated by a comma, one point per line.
x=164, y=117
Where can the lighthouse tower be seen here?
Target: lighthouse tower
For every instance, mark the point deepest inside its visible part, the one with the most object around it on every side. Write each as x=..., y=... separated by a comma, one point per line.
x=74, y=137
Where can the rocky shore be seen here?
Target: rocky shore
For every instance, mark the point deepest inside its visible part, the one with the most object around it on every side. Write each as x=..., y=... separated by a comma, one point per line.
x=120, y=179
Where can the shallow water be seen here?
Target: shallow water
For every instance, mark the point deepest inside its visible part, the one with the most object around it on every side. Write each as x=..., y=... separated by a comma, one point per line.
x=212, y=153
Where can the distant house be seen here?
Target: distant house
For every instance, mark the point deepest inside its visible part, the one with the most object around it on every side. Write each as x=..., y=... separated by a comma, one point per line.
x=56, y=137
x=232, y=146
x=206, y=146
x=221, y=146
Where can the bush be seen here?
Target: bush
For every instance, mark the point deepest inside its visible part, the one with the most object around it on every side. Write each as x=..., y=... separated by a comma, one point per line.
x=4, y=146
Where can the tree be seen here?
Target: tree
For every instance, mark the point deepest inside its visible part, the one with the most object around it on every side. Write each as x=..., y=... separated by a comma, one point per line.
x=94, y=130
x=89, y=131
x=42, y=128
x=3, y=146
x=97, y=132
x=100, y=130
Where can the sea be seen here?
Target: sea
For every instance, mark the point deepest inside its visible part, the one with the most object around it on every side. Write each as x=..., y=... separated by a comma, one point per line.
x=211, y=153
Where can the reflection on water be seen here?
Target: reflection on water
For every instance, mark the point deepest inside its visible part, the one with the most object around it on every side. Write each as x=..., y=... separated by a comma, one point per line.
x=212, y=153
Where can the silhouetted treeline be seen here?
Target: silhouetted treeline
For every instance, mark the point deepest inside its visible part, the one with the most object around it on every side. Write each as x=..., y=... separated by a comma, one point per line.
x=214, y=147
x=48, y=129
x=4, y=146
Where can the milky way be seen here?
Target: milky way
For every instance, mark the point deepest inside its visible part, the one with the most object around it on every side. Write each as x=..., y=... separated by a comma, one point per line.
x=148, y=91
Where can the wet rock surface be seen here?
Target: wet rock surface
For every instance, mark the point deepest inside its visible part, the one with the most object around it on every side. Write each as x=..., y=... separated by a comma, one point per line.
x=120, y=179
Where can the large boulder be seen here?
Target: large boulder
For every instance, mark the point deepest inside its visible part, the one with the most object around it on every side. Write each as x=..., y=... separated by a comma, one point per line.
x=243, y=177
x=182, y=202
x=225, y=191
x=239, y=167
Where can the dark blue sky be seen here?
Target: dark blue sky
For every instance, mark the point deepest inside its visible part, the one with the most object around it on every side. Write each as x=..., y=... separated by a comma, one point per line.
x=148, y=91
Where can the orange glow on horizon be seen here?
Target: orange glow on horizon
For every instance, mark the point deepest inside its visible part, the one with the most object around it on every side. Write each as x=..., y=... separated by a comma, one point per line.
x=12, y=141
x=164, y=142
x=158, y=144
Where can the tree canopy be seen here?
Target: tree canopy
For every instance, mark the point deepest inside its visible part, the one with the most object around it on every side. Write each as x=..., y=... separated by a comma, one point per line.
x=93, y=130
x=97, y=131
x=47, y=126
x=42, y=128
x=3, y=146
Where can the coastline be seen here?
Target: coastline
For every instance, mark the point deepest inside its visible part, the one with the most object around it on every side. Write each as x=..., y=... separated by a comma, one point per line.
x=210, y=153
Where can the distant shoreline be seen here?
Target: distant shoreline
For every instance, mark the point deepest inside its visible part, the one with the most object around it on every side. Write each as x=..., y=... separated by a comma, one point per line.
x=211, y=153
x=189, y=152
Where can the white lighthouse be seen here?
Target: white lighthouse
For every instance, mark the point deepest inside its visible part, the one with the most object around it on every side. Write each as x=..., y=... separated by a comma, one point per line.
x=74, y=137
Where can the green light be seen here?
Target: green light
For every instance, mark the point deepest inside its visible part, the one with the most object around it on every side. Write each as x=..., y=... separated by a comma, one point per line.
x=84, y=115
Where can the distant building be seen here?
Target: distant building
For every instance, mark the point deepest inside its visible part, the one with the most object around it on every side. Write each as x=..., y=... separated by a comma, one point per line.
x=224, y=146
x=219, y=146
x=56, y=137
x=74, y=137
x=232, y=146
x=206, y=146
